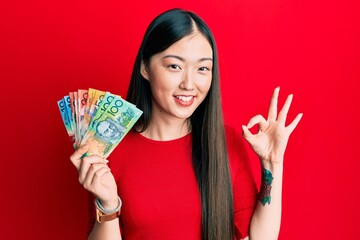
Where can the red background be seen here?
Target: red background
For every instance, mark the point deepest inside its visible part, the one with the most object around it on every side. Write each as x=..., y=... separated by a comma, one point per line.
x=309, y=48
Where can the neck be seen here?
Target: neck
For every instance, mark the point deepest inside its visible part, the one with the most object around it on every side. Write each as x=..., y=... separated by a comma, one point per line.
x=167, y=130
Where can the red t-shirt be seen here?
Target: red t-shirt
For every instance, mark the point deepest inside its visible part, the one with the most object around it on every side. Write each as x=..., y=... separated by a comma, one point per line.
x=160, y=197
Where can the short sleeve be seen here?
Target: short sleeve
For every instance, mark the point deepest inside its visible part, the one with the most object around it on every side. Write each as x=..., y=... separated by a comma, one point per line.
x=244, y=185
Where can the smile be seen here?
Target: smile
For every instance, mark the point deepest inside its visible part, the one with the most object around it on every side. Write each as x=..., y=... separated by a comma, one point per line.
x=185, y=98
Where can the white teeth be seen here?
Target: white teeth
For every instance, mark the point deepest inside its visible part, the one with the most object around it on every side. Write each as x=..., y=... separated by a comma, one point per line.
x=184, y=98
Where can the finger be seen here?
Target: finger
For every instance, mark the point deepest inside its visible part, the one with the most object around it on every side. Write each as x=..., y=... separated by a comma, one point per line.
x=75, y=158
x=93, y=170
x=86, y=163
x=258, y=119
x=99, y=174
x=246, y=133
x=285, y=109
x=295, y=122
x=273, y=105
x=90, y=174
x=249, y=137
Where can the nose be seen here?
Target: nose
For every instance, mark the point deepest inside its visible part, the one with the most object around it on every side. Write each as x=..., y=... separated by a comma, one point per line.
x=187, y=82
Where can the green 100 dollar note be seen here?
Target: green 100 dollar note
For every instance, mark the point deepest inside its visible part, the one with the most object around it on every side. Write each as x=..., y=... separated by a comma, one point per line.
x=108, y=130
x=102, y=105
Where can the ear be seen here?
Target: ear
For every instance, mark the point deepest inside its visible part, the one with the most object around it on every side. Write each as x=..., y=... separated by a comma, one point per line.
x=144, y=71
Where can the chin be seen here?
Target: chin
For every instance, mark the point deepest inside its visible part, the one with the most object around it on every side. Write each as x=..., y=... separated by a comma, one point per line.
x=185, y=115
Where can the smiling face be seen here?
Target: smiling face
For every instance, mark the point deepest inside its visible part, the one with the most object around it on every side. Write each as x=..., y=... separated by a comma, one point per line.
x=180, y=77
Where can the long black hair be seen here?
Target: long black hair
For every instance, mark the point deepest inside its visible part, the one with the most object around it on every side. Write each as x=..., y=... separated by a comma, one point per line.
x=209, y=152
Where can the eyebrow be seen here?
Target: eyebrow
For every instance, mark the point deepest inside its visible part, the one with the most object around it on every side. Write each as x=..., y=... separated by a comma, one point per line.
x=182, y=59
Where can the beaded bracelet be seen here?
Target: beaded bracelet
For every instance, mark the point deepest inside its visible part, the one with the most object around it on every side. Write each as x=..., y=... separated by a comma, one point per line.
x=107, y=211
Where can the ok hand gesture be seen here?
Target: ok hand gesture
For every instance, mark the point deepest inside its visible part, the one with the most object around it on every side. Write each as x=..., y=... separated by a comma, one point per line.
x=271, y=140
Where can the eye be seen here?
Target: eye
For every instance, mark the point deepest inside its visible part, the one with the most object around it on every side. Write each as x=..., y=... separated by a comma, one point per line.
x=203, y=69
x=174, y=67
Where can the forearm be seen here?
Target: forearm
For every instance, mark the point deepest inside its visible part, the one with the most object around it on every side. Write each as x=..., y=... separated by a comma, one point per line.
x=109, y=230
x=265, y=223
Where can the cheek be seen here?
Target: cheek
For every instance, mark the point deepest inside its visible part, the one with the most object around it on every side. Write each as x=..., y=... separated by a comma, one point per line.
x=159, y=86
x=160, y=89
x=161, y=81
x=205, y=84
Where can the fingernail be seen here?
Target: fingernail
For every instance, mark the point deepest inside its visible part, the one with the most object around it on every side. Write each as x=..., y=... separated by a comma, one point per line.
x=105, y=160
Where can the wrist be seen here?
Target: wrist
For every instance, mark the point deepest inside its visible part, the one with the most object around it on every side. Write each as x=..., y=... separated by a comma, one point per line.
x=104, y=214
x=110, y=207
x=112, y=204
x=272, y=163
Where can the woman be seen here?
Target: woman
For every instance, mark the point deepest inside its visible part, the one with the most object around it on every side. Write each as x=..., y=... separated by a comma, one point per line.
x=181, y=174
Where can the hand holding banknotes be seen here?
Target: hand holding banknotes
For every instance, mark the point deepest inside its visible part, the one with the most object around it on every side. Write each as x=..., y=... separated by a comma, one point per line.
x=96, y=121
x=95, y=176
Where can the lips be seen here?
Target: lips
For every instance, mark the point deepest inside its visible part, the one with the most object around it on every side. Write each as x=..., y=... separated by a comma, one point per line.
x=184, y=100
